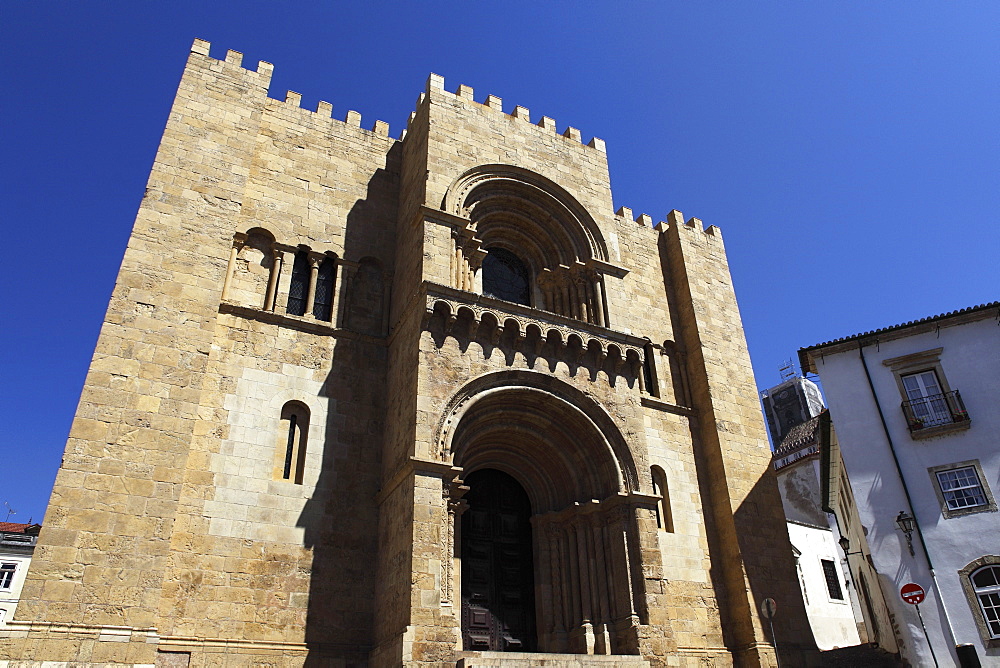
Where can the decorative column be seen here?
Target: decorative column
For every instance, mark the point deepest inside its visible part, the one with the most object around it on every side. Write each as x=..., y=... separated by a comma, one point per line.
x=272, y=281
x=453, y=492
x=239, y=239
x=545, y=286
x=641, y=371
x=468, y=257
x=314, y=261
x=580, y=288
x=630, y=587
x=459, y=268
x=598, y=290
x=564, y=294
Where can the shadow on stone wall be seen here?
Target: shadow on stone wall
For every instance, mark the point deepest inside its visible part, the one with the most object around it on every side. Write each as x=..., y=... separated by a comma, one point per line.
x=770, y=567
x=340, y=520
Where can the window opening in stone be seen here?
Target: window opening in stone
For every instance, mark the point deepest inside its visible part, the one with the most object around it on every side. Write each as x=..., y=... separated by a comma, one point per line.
x=498, y=606
x=664, y=518
x=300, y=284
x=986, y=585
x=290, y=455
x=506, y=277
x=648, y=372
x=323, y=303
x=290, y=447
x=832, y=580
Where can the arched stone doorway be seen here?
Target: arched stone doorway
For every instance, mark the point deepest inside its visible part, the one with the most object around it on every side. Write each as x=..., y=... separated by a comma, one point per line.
x=498, y=591
x=579, y=480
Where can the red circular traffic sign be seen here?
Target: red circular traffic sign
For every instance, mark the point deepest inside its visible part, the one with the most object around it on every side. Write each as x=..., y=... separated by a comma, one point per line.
x=912, y=593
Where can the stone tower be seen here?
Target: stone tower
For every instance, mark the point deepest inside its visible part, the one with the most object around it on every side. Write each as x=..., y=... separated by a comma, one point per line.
x=789, y=404
x=365, y=401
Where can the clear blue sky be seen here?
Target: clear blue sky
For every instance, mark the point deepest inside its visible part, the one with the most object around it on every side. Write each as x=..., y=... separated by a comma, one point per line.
x=850, y=151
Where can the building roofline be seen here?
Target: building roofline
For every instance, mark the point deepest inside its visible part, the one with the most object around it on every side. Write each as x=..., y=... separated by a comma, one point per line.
x=897, y=331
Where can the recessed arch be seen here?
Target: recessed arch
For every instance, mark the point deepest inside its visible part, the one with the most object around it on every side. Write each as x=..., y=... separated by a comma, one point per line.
x=567, y=455
x=493, y=193
x=484, y=421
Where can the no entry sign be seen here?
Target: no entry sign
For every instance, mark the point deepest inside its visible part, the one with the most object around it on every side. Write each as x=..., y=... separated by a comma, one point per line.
x=912, y=593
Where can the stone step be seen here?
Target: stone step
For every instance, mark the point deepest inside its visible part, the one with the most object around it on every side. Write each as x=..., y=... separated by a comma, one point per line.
x=529, y=659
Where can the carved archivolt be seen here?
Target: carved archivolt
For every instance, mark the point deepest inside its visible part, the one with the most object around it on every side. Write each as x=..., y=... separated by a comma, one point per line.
x=512, y=209
x=533, y=425
x=490, y=189
x=578, y=472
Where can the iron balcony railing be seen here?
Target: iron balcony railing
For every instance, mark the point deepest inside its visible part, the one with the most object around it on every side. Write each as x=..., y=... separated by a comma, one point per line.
x=935, y=410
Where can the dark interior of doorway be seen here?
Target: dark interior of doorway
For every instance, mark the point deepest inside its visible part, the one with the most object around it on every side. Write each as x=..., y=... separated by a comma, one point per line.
x=498, y=602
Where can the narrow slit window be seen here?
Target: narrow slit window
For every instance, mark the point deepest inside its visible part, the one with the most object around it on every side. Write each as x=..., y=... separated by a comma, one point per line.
x=300, y=284
x=648, y=371
x=290, y=453
x=664, y=517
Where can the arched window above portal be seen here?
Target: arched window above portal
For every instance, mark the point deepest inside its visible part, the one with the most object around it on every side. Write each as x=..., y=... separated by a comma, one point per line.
x=557, y=242
x=506, y=277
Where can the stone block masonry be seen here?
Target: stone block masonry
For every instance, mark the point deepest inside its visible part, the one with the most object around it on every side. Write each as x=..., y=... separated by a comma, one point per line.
x=327, y=345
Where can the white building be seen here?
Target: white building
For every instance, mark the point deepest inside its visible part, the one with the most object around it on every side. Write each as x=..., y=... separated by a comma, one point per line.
x=17, y=543
x=917, y=414
x=792, y=409
x=826, y=588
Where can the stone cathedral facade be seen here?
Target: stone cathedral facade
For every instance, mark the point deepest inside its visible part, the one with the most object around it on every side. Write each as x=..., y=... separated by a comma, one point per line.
x=426, y=401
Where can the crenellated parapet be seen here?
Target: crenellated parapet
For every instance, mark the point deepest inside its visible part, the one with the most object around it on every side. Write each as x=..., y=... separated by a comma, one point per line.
x=435, y=82
x=293, y=99
x=674, y=218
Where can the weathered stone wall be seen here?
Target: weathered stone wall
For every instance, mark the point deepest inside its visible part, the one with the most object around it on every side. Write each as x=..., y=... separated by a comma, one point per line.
x=174, y=537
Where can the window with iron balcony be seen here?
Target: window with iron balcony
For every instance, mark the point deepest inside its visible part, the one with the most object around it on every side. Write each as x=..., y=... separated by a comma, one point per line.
x=930, y=406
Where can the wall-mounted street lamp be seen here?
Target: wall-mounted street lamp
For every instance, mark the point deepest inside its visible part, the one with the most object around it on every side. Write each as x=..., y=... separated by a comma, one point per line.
x=907, y=524
x=845, y=545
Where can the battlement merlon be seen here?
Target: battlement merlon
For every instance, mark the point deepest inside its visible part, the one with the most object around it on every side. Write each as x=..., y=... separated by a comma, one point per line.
x=324, y=109
x=264, y=69
x=674, y=218
x=435, y=82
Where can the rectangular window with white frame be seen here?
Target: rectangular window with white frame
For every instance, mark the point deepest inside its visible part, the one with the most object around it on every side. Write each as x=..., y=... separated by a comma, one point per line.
x=832, y=580
x=7, y=571
x=923, y=391
x=961, y=489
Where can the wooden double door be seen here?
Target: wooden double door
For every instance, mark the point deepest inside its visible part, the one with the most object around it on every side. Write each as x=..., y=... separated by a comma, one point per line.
x=498, y=597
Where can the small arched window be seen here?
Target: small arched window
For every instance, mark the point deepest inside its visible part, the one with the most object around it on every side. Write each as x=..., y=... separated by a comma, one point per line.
x=506, y=277
x=323, y=303
x=290, y=453
x=299, y=287
x=986, y=586
x=664, y=518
